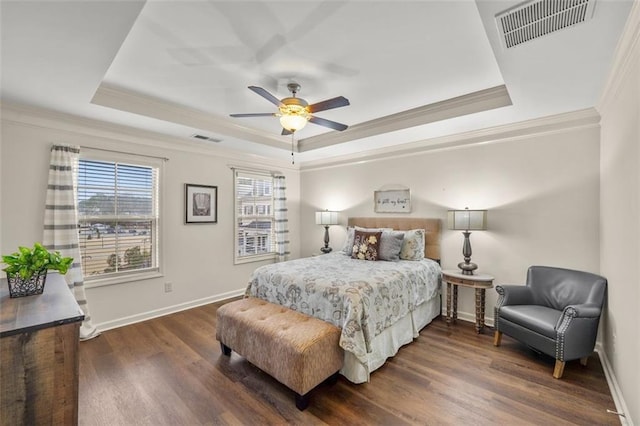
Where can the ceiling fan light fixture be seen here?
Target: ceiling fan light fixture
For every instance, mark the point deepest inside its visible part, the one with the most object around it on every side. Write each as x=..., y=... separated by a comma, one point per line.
x=293, y=117
x=295, y=112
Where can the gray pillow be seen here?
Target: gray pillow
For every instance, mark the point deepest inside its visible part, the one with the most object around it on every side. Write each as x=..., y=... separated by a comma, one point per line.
x=390, y=245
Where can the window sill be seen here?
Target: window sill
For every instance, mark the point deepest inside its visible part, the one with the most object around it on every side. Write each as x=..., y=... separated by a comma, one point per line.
x=256, y=258
x=122, y=279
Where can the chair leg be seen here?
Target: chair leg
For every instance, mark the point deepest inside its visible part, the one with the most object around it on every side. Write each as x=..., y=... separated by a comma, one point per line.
x=559, y=369
x=583, y=361
x=497, y=338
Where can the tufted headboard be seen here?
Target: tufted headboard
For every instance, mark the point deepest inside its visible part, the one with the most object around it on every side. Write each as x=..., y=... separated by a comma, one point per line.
x=431, y=226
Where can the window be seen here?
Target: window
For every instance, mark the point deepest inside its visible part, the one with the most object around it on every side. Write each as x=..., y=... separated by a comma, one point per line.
x=255, y=226
x=118, y=213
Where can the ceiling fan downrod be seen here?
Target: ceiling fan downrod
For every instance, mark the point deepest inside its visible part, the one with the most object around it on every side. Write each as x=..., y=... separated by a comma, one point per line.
x=294, y=88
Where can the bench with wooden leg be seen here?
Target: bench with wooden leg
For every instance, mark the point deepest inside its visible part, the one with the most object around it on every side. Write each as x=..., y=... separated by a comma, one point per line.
x=297, y=350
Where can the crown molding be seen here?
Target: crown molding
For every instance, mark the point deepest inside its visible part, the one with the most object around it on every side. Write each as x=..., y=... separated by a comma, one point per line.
x=27, y=115
x=137, y=103
x=148, y=106
x=482, y=100
x=509, y=132
x=623, y=57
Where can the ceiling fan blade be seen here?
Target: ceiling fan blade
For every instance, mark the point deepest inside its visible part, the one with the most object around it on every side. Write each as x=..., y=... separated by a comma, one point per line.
x=268, y=96
x=328, y=123
x=256, y=114
x=338, y=102
x=286, y=132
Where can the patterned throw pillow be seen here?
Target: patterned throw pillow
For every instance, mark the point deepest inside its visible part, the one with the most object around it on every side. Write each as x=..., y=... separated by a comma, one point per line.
x=348, y=246
x=413, y=245
x=365, y=245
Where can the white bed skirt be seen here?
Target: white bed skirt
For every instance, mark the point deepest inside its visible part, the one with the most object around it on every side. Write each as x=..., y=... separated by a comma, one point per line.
x=387, y=343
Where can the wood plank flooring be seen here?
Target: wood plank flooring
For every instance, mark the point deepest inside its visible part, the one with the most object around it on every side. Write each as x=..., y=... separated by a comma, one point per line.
x=169, y=371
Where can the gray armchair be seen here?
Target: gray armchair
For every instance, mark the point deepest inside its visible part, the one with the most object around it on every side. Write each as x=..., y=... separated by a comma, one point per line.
x=556, y=312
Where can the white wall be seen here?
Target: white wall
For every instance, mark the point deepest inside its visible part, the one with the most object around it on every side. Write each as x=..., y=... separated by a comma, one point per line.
x=620, y=215
x=198, y=258
x=542, y=193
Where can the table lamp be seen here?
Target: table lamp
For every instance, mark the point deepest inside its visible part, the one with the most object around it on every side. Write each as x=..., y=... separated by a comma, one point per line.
x=326, y=218
x=467, y=220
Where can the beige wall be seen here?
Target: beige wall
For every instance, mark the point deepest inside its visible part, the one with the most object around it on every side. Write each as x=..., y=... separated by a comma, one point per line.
x=620, y=216
x=198, y=259
x=542, y=193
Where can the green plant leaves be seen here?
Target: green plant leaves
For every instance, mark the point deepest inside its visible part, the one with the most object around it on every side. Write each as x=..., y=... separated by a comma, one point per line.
x=29, y=261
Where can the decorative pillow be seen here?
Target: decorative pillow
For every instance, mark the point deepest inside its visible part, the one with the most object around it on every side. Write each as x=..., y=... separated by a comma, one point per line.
x=348, y=245
x=390, y=245
x=365, y=245
x=413, y=245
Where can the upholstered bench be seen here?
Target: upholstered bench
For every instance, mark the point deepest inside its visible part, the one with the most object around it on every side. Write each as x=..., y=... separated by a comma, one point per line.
x=297, y=350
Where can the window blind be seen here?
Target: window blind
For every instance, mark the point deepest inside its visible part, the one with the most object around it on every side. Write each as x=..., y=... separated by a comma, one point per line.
x=254, y=214
x=117, y=217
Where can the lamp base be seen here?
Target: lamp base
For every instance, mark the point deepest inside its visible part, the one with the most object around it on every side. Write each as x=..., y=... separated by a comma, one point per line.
x=326, y=250
x=467, y=268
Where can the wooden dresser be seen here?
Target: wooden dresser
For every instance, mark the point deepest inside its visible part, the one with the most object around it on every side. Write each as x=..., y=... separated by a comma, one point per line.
x=39, y=338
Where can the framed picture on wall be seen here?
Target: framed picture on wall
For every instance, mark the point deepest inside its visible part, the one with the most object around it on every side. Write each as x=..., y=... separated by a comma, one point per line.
x=201, y=203
x=392, y=201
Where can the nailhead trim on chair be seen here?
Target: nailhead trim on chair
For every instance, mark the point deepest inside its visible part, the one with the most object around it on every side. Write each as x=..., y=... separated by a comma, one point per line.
x=497, y=307
x=567, y=316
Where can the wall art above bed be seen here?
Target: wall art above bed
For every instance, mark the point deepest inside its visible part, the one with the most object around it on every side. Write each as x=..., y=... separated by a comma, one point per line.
x=392, y=201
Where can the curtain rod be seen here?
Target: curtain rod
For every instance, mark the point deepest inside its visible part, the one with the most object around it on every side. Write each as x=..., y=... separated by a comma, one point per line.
x=125, y=152
x=258, y=171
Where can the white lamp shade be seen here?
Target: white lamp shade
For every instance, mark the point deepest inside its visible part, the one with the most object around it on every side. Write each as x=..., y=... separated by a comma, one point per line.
x=467, y=220
x=326, y=218
x=293, y=122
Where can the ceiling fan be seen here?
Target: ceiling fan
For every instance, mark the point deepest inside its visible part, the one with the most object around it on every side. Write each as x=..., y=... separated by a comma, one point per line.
x=295, y=112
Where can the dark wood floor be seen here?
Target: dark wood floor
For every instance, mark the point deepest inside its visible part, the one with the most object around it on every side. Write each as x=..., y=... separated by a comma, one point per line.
x=169, y=371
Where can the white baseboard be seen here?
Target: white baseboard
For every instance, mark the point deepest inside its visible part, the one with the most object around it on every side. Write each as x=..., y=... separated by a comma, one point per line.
x=614, y=388
x=121, y=322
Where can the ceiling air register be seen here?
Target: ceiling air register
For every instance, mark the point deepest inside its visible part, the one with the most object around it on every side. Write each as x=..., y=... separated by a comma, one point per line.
x=535, y=19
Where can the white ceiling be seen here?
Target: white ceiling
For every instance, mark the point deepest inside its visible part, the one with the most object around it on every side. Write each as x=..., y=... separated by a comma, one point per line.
x=181, y=67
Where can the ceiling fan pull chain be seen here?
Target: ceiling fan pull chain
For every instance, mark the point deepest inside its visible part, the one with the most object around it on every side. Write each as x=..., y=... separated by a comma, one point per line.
x=292, y=158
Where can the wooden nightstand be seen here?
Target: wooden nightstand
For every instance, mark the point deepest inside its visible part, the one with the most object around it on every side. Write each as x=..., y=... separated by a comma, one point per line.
x=480, y=282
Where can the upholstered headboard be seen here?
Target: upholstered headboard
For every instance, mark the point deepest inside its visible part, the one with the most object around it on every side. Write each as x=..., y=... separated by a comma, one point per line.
x=431, y=226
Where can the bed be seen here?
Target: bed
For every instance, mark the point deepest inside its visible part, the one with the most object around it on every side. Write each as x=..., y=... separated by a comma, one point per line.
x=379, y=306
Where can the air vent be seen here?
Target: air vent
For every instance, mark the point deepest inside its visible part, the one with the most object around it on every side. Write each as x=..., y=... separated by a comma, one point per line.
x=535, y=19
x=206, y=138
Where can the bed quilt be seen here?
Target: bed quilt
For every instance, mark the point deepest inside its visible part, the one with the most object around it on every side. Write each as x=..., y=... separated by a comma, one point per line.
x=361, y=297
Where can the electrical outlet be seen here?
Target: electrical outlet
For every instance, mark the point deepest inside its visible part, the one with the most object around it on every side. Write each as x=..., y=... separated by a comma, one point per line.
x=168, y=287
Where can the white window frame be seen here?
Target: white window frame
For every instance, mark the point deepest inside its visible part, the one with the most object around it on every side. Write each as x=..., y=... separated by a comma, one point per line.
x=240, y=259
x=135, y=160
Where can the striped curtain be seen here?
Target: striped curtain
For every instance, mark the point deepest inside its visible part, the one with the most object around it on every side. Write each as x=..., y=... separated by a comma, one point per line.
x=280, y=216
x=61, y=224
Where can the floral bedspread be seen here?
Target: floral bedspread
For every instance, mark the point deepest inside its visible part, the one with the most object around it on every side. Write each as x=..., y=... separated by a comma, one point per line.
x=361, y=297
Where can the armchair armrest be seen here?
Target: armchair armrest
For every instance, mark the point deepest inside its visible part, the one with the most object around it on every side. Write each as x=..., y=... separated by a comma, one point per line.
x=577, y=329
x=585, y=310
x=514, y=295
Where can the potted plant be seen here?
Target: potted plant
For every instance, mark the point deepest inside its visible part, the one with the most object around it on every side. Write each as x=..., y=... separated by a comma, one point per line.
x=27, y=269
